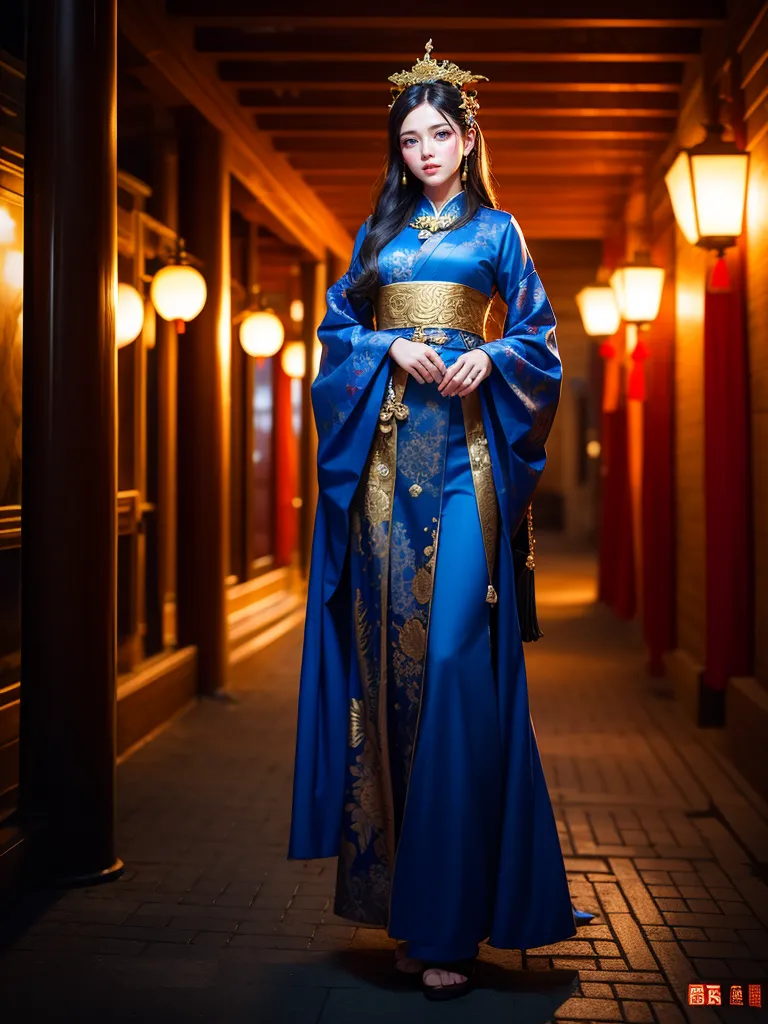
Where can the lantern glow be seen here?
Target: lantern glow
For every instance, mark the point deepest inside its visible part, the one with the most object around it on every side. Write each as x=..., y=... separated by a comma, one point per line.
x=708, y=189
x=7, y=226
x=261, y=334
x=599, y=312
x=637, y=288
x=129, y=315
x=178, y=292
x=296, y=312
x=293, y=359
x=13, y=268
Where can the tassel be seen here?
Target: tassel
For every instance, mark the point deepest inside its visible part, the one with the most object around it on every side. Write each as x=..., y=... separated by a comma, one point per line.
x=607, y=350
x=526, y=606
x=720, y=281
x=523, y=545
x=636, y=382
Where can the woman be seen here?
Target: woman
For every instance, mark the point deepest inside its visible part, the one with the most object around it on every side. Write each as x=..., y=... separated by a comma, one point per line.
x=416, y=759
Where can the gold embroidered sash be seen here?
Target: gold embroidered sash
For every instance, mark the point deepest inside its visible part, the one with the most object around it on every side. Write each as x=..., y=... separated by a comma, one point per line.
x=432, y=304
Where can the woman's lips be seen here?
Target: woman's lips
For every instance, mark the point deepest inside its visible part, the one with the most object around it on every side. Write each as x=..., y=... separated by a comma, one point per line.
x=431, y=168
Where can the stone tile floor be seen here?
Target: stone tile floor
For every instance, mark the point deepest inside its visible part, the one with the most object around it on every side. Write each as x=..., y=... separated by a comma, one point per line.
x=662, y=838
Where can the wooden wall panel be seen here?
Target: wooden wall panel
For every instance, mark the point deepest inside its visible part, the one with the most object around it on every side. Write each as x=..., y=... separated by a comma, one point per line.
x=691, y=266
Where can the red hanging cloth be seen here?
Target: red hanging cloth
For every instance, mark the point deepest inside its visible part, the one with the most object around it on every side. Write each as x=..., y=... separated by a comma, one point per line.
x=726, y=488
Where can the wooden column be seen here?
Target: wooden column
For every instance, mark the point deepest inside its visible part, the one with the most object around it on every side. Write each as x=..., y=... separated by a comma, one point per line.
x=164, y=205
x=203, y=408
x=69, y=481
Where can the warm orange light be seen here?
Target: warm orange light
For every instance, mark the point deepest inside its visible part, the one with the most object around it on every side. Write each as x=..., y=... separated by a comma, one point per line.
x=296, y=311
x=293, y=359
x=13, y=268
x=178, y=292
x=637, y=287
x=598, y=309
x=7, y=226
x=261, y=334
x=129, y=315
x=708, y=189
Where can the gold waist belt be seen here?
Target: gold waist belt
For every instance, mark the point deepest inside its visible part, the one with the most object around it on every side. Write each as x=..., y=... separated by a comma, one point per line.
x=432, y=304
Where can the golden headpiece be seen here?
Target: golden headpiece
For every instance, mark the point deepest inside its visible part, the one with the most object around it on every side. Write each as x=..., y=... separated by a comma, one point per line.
x=429, y=70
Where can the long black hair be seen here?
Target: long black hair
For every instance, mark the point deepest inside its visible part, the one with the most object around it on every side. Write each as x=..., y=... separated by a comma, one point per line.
x=395, y=202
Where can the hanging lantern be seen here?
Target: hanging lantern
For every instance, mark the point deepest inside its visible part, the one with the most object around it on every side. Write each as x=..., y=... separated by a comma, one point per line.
x=637, y=287
x=129, y=315
x=708, y=188
x=178, y=291
x=296, y=312
x=293, y=359
x=261, y=334
x=598, y=309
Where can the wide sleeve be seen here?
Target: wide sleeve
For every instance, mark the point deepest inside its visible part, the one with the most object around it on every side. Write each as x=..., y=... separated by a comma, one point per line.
x=522, y=394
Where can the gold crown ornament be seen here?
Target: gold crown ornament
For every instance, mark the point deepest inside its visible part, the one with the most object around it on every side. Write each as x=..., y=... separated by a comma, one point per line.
x=429, y=70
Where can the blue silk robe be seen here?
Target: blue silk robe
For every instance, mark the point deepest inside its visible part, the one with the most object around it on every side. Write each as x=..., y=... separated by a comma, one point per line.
x=416, y=758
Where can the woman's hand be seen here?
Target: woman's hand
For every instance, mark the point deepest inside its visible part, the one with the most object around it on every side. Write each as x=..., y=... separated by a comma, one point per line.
x=421, y=361
x=469, y=370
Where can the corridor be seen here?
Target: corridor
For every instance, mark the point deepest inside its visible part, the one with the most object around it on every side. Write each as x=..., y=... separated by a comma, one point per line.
x=663, y=840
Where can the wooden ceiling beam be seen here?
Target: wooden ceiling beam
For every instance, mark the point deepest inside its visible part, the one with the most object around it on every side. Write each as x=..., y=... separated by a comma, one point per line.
x=281, y=87
x=519, y=73
x=468, y=46
x=253, y=158
x=434, y=15
x=394, y=61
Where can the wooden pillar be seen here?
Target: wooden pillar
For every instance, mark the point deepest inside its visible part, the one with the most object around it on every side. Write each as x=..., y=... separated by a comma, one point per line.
x=203, y=408
x=164, y=205
x=69, y=481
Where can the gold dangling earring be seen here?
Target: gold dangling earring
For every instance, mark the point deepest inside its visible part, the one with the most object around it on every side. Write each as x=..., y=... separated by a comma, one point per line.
x=403, y=180
x=464, y=172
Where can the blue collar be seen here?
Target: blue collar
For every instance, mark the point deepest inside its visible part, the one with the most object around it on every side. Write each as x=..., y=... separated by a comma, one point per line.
x=456, y=205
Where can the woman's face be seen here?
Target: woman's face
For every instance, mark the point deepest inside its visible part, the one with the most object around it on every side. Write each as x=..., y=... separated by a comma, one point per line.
x=432, y=146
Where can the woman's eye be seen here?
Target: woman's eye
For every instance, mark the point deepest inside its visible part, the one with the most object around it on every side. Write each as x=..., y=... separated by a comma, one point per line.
x=443, y=131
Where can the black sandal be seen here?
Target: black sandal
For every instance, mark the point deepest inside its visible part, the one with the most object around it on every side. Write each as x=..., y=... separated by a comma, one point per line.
x=453, y=990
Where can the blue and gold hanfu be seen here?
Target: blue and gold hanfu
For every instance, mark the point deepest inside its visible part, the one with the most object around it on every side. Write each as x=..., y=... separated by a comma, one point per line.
x=416, y=758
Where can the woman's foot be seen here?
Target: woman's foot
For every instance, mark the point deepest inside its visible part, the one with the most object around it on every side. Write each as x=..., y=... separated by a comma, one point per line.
x=407, y=964
x=448, y=981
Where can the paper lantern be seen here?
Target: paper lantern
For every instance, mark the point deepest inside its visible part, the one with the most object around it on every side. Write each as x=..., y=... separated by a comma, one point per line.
x=708, y=189
x=129, y=315
x=598, y=309
x=262, y=334
x=293, y=359
x=637, y=288
x=178, y=293
x=296, y=312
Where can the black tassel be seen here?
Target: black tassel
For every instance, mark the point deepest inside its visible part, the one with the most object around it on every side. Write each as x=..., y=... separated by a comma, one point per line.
x=523, y=544
x=526, y=606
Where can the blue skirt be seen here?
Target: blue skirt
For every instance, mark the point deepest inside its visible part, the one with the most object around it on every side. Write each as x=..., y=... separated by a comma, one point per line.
x=447, y=855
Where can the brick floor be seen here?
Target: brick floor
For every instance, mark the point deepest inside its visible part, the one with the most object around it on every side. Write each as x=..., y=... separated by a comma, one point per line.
x=209, y=922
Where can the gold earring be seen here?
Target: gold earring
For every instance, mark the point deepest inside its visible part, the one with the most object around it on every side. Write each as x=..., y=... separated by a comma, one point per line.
x=403, y=180
x=464, y=172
